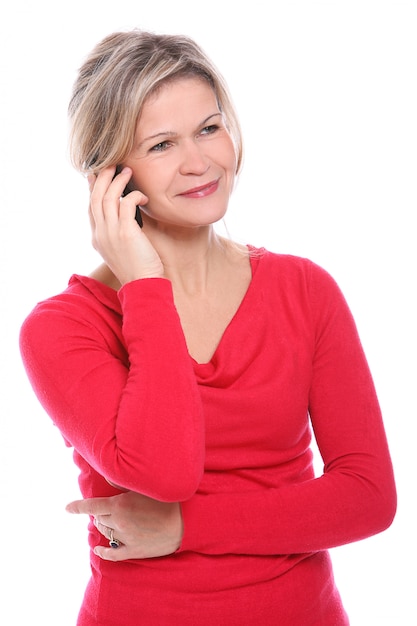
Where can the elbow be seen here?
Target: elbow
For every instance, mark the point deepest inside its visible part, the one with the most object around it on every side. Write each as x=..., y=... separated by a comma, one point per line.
x=170, y=489
x=173, y=482
x=388, y=509
x=176, y=490
x=381, y=509
x=165, y=484
x=387, y=496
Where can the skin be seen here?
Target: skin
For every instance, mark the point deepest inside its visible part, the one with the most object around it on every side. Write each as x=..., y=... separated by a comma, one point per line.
x=146, y=528
x=184, y=163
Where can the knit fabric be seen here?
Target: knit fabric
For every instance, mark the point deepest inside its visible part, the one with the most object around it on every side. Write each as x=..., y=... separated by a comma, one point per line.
x=230, y=439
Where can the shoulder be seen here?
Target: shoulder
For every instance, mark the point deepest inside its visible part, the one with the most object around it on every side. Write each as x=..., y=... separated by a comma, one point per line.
x=81, y=294
x=83, y=307
x=288, y=267
x=298, y=281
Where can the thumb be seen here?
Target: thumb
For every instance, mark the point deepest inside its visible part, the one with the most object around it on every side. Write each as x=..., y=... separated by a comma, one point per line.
x=110, y=554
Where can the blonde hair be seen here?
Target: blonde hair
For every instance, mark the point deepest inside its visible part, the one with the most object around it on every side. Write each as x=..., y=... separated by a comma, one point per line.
x=115, y=80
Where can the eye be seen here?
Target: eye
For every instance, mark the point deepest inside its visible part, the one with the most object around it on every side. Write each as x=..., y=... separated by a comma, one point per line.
x=209, y=130
x=160, y=147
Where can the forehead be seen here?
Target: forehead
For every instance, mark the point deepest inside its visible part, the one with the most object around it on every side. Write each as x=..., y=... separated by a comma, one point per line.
x=184, y=98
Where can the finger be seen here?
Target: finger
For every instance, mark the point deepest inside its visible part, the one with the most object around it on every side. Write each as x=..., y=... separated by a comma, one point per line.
x=90, y=506
x=111, y=185
x=101, y=181
x=99, y=185
x=103, y=528
x=119, y=186
x=129, y=205
x=91, y=216
x=91, y=178
x=135, y=198
x=107, y=191
x=111, y=554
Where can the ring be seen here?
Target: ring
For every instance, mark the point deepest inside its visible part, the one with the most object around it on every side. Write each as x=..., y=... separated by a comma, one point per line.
x=113, y=543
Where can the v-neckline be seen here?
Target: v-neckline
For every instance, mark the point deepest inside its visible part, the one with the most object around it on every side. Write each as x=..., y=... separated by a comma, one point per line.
x=253, y=260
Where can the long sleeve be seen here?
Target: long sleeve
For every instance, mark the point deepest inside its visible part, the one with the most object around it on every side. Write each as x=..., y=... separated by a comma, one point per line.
x=355, y=497
x=230, y=439
x=123, y=395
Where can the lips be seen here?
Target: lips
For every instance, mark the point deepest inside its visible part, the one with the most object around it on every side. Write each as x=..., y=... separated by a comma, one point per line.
x=202, y=191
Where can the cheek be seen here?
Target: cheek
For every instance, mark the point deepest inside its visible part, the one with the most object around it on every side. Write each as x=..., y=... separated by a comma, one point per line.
x=231, y=167
x=155, y=178
x=231, y=156
x=143, y=182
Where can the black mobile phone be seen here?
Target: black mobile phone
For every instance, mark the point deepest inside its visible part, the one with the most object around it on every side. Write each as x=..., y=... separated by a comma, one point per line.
x=138, y=216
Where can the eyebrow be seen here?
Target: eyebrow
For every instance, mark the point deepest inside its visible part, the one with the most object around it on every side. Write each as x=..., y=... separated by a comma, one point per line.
x=170, y=133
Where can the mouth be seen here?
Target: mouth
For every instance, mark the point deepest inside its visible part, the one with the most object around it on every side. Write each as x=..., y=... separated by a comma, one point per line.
x=202, y=191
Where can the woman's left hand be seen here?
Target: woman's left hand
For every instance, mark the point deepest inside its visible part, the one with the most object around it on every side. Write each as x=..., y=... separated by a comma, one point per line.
x=144, y=527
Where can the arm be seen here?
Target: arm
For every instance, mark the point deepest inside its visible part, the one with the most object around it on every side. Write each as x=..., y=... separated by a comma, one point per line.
x=139, y=424
x=354, y=498
x=136, y=418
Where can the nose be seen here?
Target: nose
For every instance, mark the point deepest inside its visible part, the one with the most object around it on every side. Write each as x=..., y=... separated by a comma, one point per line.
x=193, y=159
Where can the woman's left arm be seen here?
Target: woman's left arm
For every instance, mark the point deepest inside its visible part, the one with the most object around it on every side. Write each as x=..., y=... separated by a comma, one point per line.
x=355, y=497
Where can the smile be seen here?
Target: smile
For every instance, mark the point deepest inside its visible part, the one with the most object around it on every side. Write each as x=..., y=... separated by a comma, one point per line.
x=201, y=192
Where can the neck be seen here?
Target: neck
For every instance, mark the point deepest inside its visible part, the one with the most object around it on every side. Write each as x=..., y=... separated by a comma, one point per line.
x=190, y=261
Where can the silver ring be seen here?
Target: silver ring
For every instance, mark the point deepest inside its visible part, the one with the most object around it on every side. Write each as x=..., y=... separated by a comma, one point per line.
x=113, y=543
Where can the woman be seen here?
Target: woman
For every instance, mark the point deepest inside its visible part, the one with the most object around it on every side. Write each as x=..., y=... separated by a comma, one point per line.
x=187, y=370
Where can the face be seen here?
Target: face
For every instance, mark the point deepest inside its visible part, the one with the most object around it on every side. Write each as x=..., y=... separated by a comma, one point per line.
x=183, y=159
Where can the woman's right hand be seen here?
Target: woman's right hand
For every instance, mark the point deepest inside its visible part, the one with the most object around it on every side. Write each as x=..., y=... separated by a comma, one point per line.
x=116, y=234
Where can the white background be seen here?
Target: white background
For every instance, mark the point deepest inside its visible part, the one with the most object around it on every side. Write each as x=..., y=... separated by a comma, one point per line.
x=326, y=93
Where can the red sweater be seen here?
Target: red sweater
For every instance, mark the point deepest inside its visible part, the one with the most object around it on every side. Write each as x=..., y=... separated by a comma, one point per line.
x=230, y=439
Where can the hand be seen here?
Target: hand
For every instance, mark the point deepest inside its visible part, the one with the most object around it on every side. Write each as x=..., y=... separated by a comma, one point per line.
x=115, y=233
x=145, y=527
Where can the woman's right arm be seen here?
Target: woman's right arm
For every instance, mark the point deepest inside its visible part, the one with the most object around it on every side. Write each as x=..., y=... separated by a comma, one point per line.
x=138, y=423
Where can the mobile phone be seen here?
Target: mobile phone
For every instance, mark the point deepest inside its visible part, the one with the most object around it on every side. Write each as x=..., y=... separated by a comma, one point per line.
x=138, y=216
